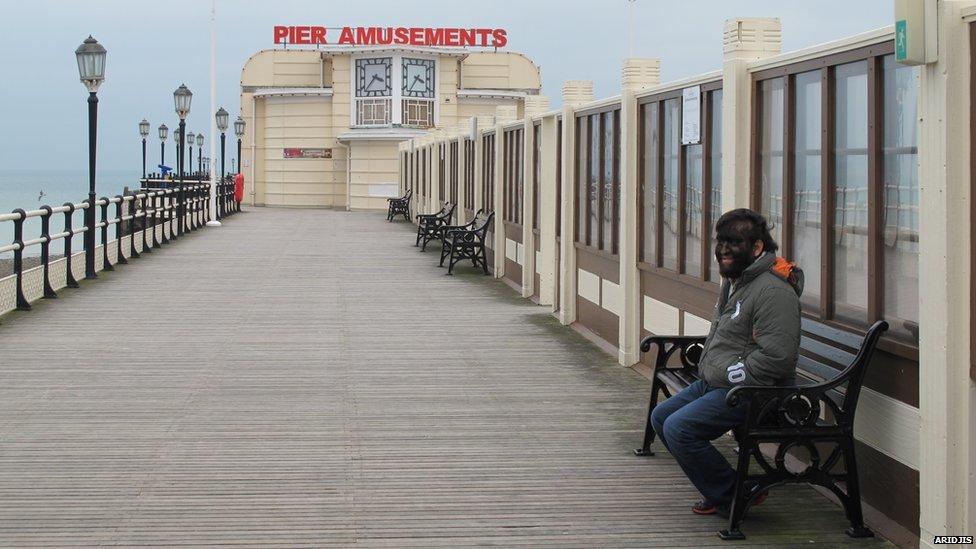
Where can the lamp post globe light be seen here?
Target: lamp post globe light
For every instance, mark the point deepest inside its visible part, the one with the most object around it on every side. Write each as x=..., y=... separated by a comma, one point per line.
x=91, y=71
x=163, y=134
x=144, y=132
x=190, y=138
x=239, y=125
x=199, y=152
x=222, y=117
x=181, y=100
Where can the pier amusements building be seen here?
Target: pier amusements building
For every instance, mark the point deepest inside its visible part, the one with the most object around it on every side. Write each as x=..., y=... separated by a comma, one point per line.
x=327, y=108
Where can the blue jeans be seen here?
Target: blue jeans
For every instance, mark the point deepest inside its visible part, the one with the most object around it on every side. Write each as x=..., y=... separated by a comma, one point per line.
x=686, y=424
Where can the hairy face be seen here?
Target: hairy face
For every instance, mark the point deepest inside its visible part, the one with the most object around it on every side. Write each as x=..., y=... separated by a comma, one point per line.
x=735, y=249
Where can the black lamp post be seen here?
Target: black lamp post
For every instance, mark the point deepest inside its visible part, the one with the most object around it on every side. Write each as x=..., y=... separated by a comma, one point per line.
x=221, y=117
x=190, y=139
x=163, y=134
x=179, y=153
x=200, y=153
x=239, y=131
x=91, y=69
x=182, y=98
x=144, y=132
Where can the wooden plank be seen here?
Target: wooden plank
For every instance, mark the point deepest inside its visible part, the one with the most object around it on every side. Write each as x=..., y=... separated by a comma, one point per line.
x=262, y=384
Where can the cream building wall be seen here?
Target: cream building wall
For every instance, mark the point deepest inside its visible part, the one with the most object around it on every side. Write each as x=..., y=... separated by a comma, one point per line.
x=305, y=99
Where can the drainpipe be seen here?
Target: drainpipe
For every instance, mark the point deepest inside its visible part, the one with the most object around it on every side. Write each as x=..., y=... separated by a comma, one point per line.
x=254, y=141
x=348, y=176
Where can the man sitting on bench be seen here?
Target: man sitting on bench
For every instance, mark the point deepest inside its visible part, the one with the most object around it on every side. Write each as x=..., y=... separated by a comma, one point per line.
x=754, y=340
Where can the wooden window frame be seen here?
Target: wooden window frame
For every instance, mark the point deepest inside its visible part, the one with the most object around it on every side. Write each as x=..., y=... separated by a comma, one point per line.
x=700, y=280
x=579, y=165
x=536, y=174
x=442, y=172
x=602, y=246
x=453, y=166
x=468, y=174
x=488, y=171
x=559, y=176
x=423, y=172
x=512, y=176
x=873, y=57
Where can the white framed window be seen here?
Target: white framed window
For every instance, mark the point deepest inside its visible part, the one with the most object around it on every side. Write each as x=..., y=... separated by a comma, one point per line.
x=373, y=82
x=374, y=112
x=394, y=91
x=417, y=86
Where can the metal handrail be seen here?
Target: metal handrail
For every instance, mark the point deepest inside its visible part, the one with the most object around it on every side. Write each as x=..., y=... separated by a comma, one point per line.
x=177, y=206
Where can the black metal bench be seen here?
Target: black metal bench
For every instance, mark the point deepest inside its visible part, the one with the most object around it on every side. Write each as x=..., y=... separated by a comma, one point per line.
x=429, y=225
x=399, y=206
x=467, y=241
x=815, y=414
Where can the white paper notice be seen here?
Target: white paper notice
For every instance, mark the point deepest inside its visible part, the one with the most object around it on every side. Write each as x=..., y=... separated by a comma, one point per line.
x=691, y=116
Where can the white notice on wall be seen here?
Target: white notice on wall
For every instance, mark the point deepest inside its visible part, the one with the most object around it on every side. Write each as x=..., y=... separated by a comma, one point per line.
x=691, y=116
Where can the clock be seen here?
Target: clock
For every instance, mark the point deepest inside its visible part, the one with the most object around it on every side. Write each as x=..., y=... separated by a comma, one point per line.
x=418, y=78
x=373, y=77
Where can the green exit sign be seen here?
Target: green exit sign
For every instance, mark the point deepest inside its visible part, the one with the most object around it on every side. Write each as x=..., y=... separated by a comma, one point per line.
x=916, y=31
x=901, y=40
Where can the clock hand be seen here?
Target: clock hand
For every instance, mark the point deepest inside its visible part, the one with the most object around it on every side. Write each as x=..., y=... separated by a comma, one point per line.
x=415, y=79
x=373, y=79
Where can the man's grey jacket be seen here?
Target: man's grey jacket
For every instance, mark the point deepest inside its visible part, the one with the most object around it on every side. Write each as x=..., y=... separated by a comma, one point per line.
x=755, y=335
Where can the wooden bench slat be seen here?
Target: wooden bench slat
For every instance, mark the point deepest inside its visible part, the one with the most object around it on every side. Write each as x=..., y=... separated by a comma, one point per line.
x=818, y=329
x=826, y=351
x=815, y=370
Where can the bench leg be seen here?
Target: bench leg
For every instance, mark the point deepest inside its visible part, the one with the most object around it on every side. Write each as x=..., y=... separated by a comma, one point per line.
x=645, y=449
x=741, y=499
x=451, y=263
x=852, y=503
x=445, y=252
x=484, y=259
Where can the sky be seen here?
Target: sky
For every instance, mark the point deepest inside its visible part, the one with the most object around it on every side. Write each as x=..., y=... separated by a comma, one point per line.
x=155, y=46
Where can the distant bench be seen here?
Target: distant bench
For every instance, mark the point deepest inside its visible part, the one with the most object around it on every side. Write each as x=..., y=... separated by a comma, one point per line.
x=467, y=241
x=429, y=225
x=399, y=206
x=819, y=409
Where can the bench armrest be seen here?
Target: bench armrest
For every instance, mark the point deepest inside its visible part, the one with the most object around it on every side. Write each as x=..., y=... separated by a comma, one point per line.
x=689, y=349
x=790, y=399
x=791, y=406
x=448, y=228
x=661, y=340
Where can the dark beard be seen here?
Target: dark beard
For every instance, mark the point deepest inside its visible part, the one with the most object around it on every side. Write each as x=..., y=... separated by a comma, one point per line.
x=740, y=262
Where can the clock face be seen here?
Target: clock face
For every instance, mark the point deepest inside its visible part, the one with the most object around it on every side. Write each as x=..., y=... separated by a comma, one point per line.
x=373, y=77
x=418, y=77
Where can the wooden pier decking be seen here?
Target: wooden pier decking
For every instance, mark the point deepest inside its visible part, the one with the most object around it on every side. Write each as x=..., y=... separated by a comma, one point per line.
x=265, y=384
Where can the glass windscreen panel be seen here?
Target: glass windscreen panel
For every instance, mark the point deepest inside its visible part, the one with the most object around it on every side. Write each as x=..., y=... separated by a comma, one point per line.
x=649, y=182
x=900, y=208
x=672, y=157
x=771, y=154
x=850, y=245
x=807, y=181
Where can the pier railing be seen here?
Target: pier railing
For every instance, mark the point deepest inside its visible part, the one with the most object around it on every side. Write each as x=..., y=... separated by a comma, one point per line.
x=157, y=214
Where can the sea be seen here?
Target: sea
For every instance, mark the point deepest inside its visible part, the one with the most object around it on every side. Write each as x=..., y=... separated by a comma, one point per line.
x=31, y=189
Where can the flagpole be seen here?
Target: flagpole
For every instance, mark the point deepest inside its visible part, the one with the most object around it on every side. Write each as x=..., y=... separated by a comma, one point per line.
x=631, y=23
x=213, y=115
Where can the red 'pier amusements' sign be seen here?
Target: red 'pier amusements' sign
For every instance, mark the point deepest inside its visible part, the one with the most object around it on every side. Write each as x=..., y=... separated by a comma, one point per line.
x=384, y=36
